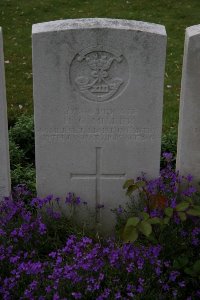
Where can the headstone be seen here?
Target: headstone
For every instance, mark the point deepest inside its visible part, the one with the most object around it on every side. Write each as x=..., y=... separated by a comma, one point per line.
x=188, y=152
x=98, y=97
x=4, y=149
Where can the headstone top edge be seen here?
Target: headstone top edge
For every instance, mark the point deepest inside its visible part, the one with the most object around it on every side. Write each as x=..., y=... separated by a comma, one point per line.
x=90, y=23
x=193, y=30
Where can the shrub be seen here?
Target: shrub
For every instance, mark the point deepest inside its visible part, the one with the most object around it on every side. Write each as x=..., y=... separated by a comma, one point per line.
x=22, y=152
x=25, y=175
x=22, y=135
x=170, y=218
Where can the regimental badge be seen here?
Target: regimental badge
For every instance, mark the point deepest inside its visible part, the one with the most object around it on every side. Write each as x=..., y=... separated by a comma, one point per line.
x=99, y=74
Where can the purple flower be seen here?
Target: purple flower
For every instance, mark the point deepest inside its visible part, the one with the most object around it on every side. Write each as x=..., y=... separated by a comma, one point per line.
x=173, y=202
x=120, y=210
x=69, y=198
x=77, y=295
x=173, y=275
x=181, y=284
x=78, y=200
x=167, y=156
x=42, y=228
x=118, y=295
x=56, y=296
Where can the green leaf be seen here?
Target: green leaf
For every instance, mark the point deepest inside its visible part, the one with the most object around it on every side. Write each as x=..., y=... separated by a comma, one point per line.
x=128, y=183
x=130, y=234
x=181, y=262
x=182, y=216
x=196, y=267
x=166, y=220
x=152, y=238
x=169, y=212
x=132, y=221
x=154, y=220
x=131, y=189
x=196, y=207
x=144, y=215
x=193, y=212
x=190, y=272
x=140, y=183
x=145, y=228
x=182, y=206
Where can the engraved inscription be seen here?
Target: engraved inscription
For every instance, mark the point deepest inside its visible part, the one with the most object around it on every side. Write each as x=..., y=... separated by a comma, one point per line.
x=98, y=176
x=99, y=74
x=99, y=125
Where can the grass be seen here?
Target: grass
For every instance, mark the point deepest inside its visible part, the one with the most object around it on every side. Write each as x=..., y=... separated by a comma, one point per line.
x=17, y=17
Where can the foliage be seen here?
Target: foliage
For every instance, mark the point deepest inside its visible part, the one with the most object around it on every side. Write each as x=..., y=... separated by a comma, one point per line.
x=22, y=136
x=170, y=218
x=169, y=145
x=39, y=260
x=44, y=255
x=24, y=175
x=16, y=154
x=22, y=152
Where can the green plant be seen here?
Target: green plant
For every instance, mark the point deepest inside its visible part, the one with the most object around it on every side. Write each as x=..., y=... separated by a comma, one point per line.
x=169, y=144
x=16, y=154
x=24, y=175
x=22, y=152
x=169, y=217
x=22, y=135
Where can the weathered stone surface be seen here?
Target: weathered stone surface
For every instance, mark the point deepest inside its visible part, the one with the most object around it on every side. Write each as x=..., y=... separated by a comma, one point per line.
x=98, y=97
x=188, y=152
x=4, y=149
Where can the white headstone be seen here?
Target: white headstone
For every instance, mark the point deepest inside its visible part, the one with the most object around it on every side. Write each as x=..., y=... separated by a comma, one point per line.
x=4, y=149
x=188, y=152
x=98, y=97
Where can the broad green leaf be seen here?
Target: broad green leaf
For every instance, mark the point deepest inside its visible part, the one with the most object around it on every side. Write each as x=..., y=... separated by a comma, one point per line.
x=181, y=262
x=190, y=272
x=130, y=234
x=145, y=228
x=196, y=267
x=169, y=212
x=144, y=215
x=154, y=220
x=182, y=215
x=193, y=212
x=128, y=183
x=166, y=220
x=182, y=206
x=133, y=221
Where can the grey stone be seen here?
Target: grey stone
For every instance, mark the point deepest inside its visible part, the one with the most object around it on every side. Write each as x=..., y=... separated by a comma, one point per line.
x=98, y=98
x=4, y=148
x=188, y=152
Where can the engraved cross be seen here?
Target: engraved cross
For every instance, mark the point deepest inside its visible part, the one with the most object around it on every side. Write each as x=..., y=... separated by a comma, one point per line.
x=98, y=176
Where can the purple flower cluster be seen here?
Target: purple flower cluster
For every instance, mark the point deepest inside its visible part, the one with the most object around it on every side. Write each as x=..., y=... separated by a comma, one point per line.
x=164, y=191
x=84, y=269
x=41, y=260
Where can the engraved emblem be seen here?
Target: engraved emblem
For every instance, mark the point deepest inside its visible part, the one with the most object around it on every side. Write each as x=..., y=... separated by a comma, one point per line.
x=99, y=74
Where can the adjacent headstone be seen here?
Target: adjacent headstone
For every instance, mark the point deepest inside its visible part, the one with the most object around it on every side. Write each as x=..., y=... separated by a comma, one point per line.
x=188, y=152
x=98, y=97
x=4, y=149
